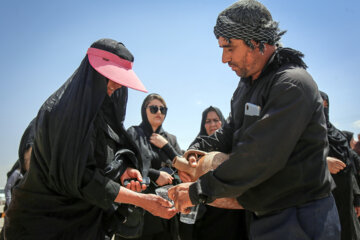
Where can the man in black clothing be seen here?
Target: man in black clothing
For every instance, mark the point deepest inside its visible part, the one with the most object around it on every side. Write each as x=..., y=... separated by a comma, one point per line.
x=275, y=134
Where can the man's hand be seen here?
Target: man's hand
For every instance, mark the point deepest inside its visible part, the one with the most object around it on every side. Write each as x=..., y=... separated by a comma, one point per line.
x=180, y=195
x=192, y=160
x=158, y=206
x=193, y=163
x=227, y=203
x=133, y=185
x=164, y=179
x=335, y=165
x=158, y=140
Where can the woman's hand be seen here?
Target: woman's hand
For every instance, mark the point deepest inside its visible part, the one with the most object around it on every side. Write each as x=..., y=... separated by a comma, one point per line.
x=158, y=140
x=152, y=203
x=335, y=165
x=133, y=185
x=158, y=206
x=164, y=179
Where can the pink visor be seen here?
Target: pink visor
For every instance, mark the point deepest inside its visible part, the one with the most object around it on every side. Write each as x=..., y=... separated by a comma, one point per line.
x=114, y=68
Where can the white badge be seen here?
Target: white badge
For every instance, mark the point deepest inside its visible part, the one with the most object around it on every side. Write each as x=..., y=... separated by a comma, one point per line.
x=252, y=109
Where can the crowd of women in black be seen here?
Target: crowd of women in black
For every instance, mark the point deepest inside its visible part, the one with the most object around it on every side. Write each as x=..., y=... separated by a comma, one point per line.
x=79, y=211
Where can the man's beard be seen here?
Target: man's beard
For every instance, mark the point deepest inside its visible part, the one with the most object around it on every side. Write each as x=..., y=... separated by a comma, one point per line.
x=241, y=72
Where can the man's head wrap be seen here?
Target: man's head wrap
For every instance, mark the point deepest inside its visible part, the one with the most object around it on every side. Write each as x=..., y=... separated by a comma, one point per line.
x=248, y=20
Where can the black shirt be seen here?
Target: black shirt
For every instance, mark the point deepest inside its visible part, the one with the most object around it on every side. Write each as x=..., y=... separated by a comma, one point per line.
x=278, y=156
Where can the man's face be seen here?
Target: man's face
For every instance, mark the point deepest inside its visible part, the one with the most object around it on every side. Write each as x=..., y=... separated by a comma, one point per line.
x=240, y=57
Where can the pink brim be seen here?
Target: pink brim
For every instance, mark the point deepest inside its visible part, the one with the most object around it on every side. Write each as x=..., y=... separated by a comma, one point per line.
x=114, y=68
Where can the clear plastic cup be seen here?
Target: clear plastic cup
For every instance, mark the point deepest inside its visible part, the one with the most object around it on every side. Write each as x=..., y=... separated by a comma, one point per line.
x=163, y=192
x=190, y=218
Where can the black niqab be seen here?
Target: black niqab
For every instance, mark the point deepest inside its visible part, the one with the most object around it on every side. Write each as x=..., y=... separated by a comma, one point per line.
x=61, y=181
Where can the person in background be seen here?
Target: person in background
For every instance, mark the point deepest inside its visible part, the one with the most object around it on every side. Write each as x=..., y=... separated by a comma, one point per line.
x=214, y=223
x=79, y=130
x=342, y=169
x=212, y=119
x=350, y=138
x=157, y=148
x=22, y=165
x=275, y=135
x=357, y=147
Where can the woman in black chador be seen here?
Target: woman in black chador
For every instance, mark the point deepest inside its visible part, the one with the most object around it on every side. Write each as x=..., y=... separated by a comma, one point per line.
x=342, y=168
x=21, y=166
x=73, y=180
x=217, y=223
x=157, y=148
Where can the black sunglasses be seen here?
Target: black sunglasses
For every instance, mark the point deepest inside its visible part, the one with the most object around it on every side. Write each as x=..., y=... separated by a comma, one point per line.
x=154, y=109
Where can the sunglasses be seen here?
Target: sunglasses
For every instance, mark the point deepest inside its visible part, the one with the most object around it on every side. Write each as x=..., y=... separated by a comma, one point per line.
x=154, y=109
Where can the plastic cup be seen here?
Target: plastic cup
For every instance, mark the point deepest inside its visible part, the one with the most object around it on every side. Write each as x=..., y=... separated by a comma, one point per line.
x=163, y=192
x=190, y=218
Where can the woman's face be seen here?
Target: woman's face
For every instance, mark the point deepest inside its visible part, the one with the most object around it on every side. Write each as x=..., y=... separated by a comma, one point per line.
x=27, y=157
x=155, y=119
x=212, y=122
x=111, y=87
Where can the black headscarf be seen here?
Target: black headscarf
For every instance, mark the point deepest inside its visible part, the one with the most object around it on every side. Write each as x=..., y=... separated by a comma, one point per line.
x=248, y=20
x=203, y=119
x=27, y=141
x=145, y=124
x=65, y=188
x=349, y=135
x=65, y=125
x=338, y=144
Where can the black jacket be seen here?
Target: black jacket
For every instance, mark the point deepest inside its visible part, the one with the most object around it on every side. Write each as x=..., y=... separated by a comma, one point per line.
x=277, y=155
x=65, y=193
x=153, y=158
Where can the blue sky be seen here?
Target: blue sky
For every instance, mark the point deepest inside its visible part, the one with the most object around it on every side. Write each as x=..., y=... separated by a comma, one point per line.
x=176, y=55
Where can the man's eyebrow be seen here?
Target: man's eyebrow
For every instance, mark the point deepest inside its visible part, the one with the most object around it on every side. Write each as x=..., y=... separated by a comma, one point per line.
x=225, y=46
x=229, y=44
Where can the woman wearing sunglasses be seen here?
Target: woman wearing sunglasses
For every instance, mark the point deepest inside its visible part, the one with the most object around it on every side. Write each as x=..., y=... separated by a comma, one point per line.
x=158, y=148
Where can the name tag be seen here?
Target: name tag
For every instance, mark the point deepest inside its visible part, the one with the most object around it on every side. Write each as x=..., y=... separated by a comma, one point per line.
x=252, y=109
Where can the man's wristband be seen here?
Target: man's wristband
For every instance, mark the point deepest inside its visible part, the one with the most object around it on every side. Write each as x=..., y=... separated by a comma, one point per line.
x=196, y=196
